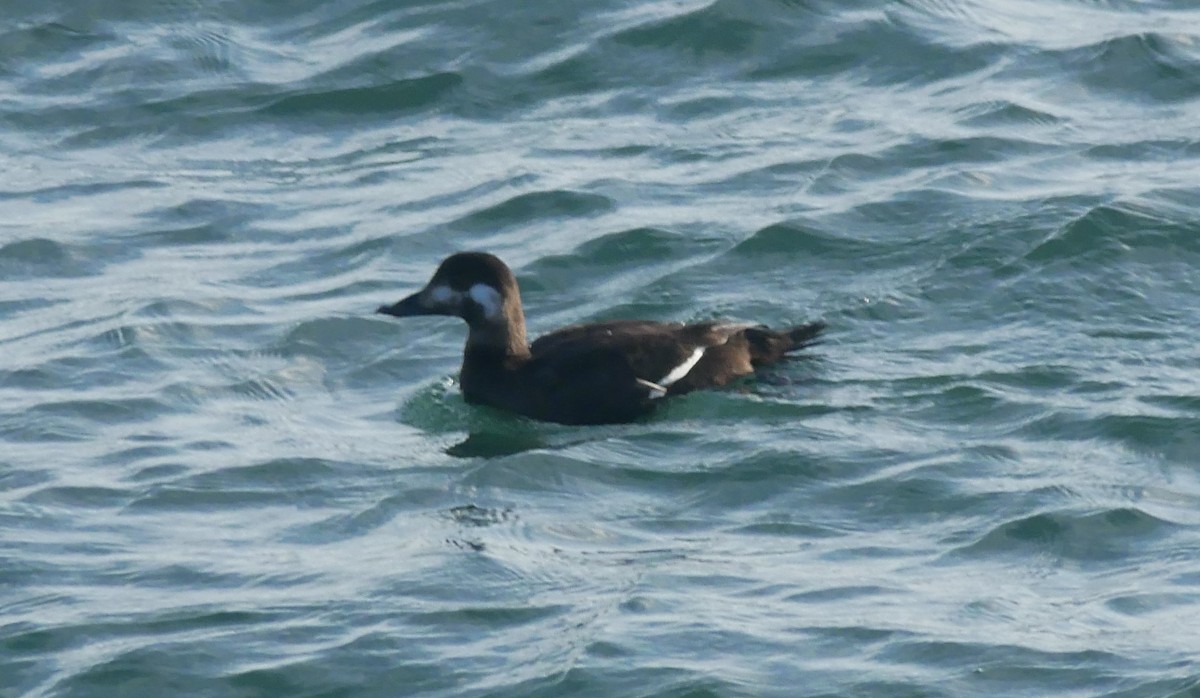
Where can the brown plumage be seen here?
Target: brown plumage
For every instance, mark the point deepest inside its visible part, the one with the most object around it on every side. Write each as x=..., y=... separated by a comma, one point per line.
x=585, y=374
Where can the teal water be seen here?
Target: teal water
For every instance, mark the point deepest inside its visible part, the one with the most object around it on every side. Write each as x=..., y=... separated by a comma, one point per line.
x=222, y=475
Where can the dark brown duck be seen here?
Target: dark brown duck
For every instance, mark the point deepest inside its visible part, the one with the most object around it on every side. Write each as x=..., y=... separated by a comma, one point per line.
x=598, y=373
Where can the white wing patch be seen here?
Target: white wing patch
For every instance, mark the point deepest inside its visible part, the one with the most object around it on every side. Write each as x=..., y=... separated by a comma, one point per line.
x=488, y=299
x=682, y=369
x=656, y=390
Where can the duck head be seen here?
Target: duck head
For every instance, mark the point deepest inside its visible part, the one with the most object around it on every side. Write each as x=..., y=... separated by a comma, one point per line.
x=477, y=287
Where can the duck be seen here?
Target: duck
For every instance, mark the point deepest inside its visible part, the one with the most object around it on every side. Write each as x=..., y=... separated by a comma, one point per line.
x=608, y=372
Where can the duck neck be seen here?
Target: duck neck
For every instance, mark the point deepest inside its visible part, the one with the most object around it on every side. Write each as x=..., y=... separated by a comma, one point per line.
x=497, y=341
x=498, y=331
x=492, y=354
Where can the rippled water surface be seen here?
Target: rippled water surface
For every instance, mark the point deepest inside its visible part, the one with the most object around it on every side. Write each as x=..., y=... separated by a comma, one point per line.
x=222, y=475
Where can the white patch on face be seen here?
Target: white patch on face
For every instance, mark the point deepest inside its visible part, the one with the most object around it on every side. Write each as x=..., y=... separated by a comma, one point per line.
x=443, y=296
x=682, y=369
x=488, y=299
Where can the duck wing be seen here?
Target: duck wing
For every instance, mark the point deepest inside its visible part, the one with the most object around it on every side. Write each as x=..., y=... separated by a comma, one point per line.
x=662, y=353
x=588, y=385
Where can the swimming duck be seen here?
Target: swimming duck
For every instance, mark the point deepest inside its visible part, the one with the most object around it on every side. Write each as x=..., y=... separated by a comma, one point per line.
x=599, y=373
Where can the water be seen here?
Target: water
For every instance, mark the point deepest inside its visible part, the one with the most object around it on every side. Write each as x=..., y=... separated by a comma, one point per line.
x=222, y=475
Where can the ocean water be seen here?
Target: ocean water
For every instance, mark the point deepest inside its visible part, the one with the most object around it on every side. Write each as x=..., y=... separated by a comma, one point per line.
x=222, y=475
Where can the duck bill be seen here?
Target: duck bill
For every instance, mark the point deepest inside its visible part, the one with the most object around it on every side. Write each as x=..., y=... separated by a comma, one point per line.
x=413, y=305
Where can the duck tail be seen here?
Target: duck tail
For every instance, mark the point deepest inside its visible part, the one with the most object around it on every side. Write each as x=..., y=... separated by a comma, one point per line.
x=804, y=336
x=769, y=346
